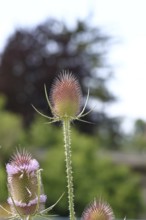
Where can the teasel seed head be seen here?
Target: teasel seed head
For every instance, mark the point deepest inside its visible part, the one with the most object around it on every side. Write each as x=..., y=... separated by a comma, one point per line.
x=24, y=185
x=66, y=96
x=98, y=210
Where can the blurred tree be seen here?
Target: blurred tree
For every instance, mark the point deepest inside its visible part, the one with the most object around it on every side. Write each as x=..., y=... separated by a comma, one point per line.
x=11, y=132
x=136, y=140
x=34, y=57
x=140, y=127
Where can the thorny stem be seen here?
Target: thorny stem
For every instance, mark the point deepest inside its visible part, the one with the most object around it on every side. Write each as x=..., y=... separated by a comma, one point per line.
x=67, y=145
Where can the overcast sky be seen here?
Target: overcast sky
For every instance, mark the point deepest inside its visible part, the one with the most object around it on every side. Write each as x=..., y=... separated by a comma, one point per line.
x=123, y=19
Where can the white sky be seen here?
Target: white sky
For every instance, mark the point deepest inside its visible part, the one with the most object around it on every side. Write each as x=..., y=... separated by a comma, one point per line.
x=124, y=19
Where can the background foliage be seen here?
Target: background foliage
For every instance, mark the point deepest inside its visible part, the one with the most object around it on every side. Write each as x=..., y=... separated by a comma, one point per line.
x=93, y=176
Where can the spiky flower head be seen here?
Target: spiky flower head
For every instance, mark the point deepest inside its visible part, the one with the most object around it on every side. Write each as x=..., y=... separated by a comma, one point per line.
x=65, y=96
x=98, y=210
x=24, y=185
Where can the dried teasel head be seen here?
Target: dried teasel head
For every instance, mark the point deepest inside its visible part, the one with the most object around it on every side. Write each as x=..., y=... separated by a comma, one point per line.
x=65, y=96
x=65, y=99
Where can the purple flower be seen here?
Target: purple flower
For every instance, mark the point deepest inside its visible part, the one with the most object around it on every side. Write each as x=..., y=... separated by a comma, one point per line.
x=25, y=185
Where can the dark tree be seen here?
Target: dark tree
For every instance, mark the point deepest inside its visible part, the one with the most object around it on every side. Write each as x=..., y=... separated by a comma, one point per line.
x=34, y=57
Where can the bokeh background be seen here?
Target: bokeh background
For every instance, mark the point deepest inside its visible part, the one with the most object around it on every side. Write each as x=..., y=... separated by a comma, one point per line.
x=103, y=44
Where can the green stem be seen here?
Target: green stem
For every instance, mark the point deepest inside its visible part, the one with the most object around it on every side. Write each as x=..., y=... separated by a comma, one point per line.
x=67, y=145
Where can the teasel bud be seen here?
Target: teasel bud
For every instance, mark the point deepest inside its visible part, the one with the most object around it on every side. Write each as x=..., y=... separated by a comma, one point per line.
x=24, y=185
x=65, y=96
x=98, y=210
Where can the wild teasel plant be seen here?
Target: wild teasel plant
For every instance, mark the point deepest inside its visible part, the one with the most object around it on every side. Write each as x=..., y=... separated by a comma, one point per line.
x=65, y=104
x=26, y=197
